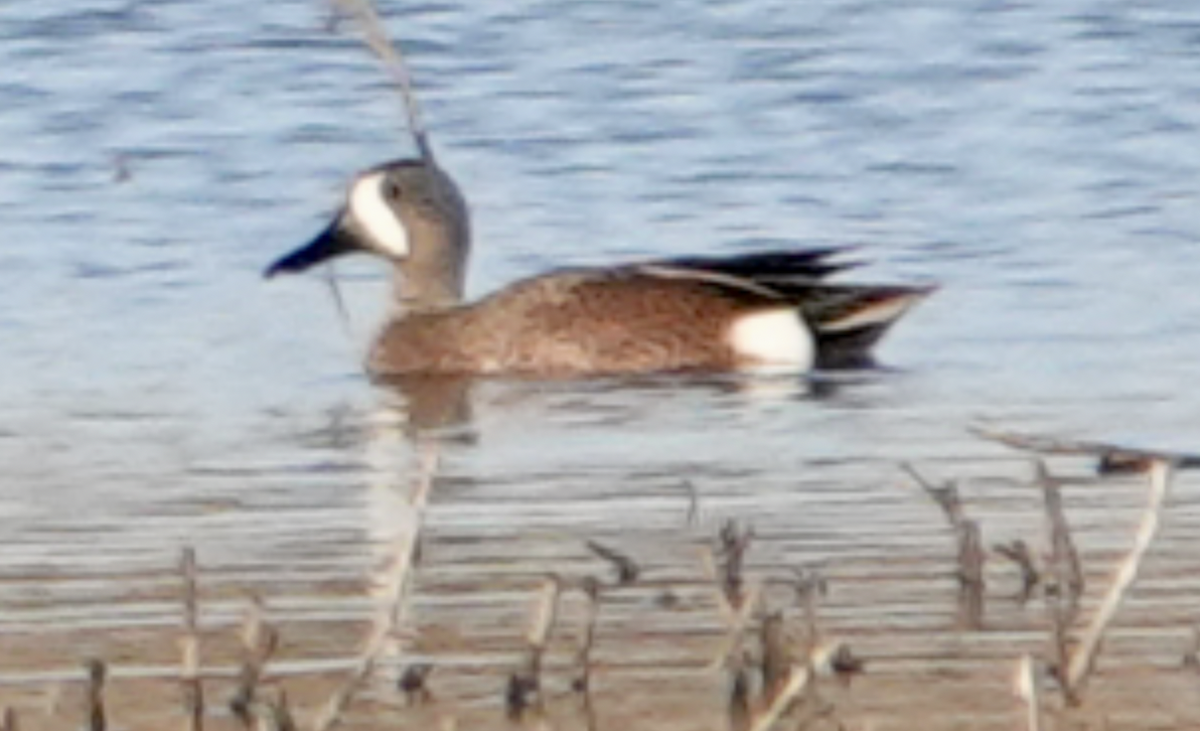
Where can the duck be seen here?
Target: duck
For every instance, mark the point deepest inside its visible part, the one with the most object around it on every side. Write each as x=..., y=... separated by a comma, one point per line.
x=775, y=310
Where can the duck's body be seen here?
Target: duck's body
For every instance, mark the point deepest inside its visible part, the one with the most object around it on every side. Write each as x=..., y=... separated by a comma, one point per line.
x=771, y=309
x=657, y=316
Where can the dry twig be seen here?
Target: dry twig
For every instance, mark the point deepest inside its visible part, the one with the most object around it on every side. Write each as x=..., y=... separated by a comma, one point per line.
x=945, y=495
x=970, y=554
x=526, y=679
x=732, y=543
x=626, y=569
x=1018, y=552
x=583, y=681
x=776, y=654
x=1064, y=558
x=798, y=680
x=1028, y=687
x=693, y=512
x=259, y=642
x=738, y=708
x=810, y=586
x=1066, y=587
x=97, y=675
x=397, y=580
x=376, y=38
x=970, y=580
x=189, y=674
x=1073, y=675
x=583, y=656
x=1111, y=457
x=735, y=617
x=1083, y=659
x=281, y=714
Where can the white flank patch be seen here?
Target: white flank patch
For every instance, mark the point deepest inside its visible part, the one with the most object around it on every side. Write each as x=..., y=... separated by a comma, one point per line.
x=370, y=208
x=774, y=338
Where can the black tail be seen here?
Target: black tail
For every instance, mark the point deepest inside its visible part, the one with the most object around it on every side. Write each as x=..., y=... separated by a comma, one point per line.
x=849, y=320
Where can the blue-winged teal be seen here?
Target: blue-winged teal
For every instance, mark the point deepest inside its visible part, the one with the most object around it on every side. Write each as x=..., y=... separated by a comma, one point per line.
x=771, y=309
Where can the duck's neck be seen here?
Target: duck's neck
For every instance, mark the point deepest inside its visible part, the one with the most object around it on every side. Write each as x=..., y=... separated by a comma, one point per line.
x=418, y=291
x=434, y=277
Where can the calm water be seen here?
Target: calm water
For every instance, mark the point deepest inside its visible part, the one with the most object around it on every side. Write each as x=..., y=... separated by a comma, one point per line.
x=1039, y=160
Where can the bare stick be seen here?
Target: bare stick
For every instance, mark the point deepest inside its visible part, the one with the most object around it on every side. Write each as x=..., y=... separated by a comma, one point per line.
x=259, y=641
x=735, y=604
x=627, y=570
x=189, y=674
x=810, y=586
x=1061, y=618
x=1064, y=558
x=391, y=616
x=969, y=548
x=776, y=654
x=1028, y=687
x=1018, y=552
x=798, y=680
x=1083, y=660
x=1062, y=596
x=945, y=495
x=9, y=721
x=1112, y=457
x=376, y=38
x=583, y=656
x=732, y=543
x=736, y=622
x=336, y=293
x=693, y=513
x=526, y=679
x=738, y=708
x=97, y=673
x=545, y=614
x=281, y=714
x=247, y=688
x=970, y=581
x=776, y=645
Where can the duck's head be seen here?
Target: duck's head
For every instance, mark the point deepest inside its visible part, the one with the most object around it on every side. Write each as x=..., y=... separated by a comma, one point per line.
x=409, y=212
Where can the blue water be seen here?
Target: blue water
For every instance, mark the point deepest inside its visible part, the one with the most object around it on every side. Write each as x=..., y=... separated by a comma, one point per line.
x=1040, y=161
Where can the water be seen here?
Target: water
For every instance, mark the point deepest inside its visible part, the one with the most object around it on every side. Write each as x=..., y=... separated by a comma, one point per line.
x=1036, y=160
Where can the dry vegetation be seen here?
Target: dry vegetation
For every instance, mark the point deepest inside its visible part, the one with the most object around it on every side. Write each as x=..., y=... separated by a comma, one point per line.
x=772, y=663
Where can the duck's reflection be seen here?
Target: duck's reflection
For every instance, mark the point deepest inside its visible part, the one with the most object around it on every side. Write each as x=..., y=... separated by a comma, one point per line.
x=420, y=420
x=433, y=407
x=403, y=453
x=450, y=410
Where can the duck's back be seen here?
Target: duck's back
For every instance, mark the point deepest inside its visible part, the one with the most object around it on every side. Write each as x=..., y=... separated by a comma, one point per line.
x=568, y=322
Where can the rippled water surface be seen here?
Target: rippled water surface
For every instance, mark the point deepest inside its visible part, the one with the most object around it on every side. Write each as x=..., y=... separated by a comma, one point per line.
x=1039, y=161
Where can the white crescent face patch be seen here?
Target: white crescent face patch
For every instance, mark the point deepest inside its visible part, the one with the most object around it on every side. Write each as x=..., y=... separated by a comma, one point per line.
x=369, y=207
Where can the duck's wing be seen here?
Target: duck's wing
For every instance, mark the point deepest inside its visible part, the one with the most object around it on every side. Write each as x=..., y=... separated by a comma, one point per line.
x=847, y=319
x=808, y=265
